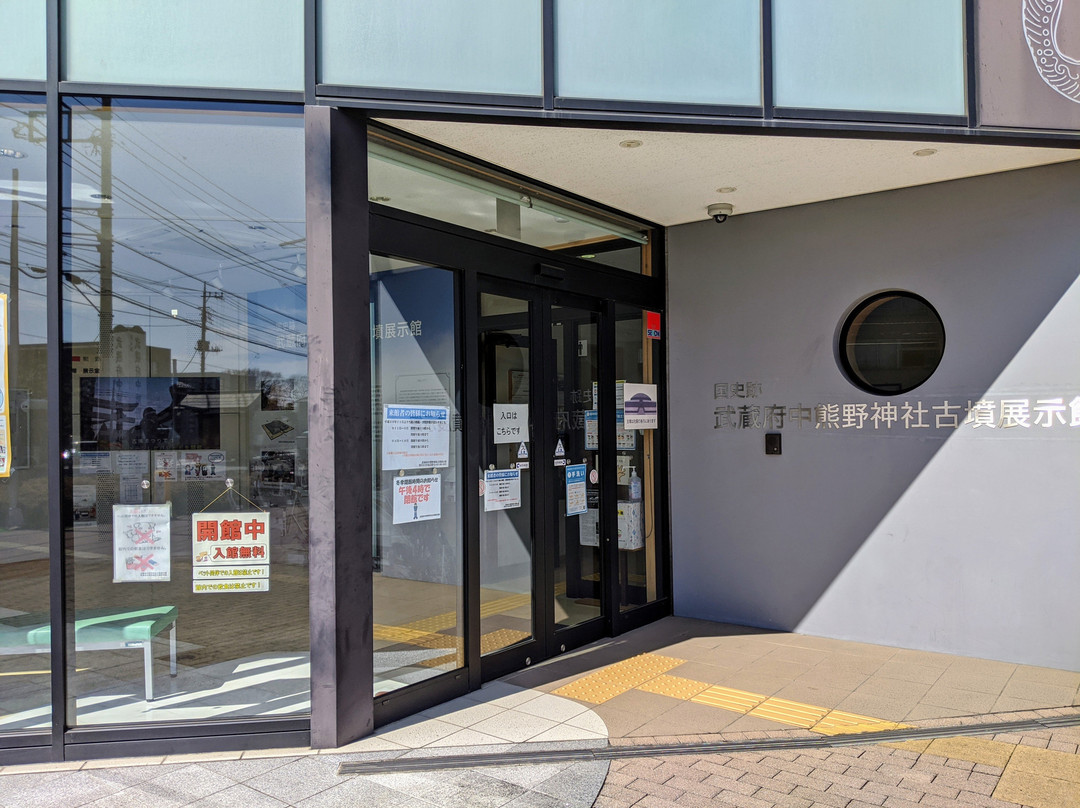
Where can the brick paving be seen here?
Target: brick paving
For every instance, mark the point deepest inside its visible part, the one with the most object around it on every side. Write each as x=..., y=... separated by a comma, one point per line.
x=884, y=775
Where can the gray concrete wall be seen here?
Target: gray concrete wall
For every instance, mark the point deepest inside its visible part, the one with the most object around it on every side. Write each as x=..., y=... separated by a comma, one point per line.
x=959, y=540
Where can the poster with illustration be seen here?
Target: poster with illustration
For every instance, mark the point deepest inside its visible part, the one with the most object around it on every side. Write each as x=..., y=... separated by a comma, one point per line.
x=141, y=543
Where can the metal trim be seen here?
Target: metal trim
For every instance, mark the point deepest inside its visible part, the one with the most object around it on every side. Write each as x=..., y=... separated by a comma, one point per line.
x=868, y=116
x=971, y=62
x=311, y=49
x=23, y=86
x=175, y=731
x=58, y=390
x=181, y=93
x=340, y=91
x=768, y=53
x=94, y=750
x=673, y=107
x=549, y=45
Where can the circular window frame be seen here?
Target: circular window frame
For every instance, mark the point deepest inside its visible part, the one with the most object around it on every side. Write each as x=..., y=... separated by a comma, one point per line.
x=849, y=321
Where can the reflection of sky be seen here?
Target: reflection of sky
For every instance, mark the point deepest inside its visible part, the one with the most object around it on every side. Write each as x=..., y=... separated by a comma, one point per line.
x=206, y=205
x=29, y=236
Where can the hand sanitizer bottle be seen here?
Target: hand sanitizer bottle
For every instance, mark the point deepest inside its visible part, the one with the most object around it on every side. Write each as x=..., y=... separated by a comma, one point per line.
x=635, y=484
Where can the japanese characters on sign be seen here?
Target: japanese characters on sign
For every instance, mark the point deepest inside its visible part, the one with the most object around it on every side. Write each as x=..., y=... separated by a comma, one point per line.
x=230, y=552
x=576, y=501
x=502, y=489
x=1024, y=412
x=417, y=498
x=415, y=437
x=398, y=330
x=510, y=423
x=141, y=543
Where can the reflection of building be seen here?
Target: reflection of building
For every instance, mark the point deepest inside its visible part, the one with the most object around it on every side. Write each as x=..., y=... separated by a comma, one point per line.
x=864, y=149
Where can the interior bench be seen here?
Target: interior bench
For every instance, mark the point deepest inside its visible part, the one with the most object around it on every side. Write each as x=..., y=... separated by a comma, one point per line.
x=97, y=630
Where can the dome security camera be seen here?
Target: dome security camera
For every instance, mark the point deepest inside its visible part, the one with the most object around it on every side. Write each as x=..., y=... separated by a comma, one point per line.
x=720, y=211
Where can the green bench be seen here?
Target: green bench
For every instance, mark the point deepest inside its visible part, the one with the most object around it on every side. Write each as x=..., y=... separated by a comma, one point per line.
x=97, y=630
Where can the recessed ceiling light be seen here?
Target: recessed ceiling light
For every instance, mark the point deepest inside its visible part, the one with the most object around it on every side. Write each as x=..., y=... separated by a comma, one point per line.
x=727, y=189
x=630, y=144
x=924, y=152
x=589, y=255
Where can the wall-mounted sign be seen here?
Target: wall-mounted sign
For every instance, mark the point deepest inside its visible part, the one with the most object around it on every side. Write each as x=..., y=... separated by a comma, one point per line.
x=639, y=406
x=230, y=552
x=502, y=489
x=417, y=498
x=415, y=437
x=652, y=325
x=141, y=543
x=576, y=501
x=510, y=422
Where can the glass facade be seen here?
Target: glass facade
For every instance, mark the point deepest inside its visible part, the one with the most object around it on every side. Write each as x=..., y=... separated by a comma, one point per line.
x=639, y=50
x=24, y=488
x=476, y=46
x=22, y=41
x=902, y=56
x=417, y=530
x=184, y=304
x=251, y=44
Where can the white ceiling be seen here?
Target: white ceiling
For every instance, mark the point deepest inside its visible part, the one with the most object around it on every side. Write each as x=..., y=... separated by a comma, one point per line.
x=673, y=176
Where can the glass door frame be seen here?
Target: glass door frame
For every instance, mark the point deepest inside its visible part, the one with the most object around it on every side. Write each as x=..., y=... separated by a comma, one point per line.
x=548, y=638
x=473, y=255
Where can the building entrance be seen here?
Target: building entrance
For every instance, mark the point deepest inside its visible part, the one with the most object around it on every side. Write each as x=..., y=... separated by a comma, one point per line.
x=532, y=525
x=542, y=574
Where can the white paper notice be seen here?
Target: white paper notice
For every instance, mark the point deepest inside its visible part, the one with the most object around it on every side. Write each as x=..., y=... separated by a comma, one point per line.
x=417, y=498
x=415, y=437
x=510, y=422
x=502, y=490
x=141, y=543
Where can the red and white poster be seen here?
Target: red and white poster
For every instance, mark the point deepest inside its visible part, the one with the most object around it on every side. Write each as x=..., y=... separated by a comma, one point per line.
x=230, y=552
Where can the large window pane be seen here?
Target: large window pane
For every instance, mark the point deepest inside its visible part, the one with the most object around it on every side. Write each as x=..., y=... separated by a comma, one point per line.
x=185, y=315
x=417, y=458
x=888, y=55
x=24, y=491
x=701, y=52
x=250, y=44
x=475, y=46
x=22, y=39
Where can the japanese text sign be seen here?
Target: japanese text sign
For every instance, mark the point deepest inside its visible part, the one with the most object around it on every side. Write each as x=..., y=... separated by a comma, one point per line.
x=230, y=552
x=415, y=437
x=141, y=543
x=417, y=498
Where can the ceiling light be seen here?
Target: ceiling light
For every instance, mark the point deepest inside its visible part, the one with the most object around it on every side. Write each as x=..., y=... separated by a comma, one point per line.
x=12, y=153
x=727, y=189
x=630, y=144
x=589, y=255
x=924, y=152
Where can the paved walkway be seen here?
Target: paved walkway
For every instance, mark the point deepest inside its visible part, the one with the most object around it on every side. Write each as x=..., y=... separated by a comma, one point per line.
x=680, y=713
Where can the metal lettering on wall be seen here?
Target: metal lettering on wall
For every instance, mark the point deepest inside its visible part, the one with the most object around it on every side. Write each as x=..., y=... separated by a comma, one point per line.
x=993, y=413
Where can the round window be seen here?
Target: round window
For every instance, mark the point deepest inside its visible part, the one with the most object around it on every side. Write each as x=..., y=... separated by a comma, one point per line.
x=891, y=343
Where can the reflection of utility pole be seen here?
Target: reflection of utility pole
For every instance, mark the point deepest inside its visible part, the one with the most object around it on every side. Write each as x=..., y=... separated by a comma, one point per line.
x=103, y=141
x=203, y=346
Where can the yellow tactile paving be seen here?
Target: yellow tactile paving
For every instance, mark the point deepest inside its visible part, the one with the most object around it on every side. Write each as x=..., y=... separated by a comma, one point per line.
x=503, y=638
x=727, y=698
x=674, y=686
x=792, y=713
x=976, y=750
x=614, y=680
x=838, y=722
